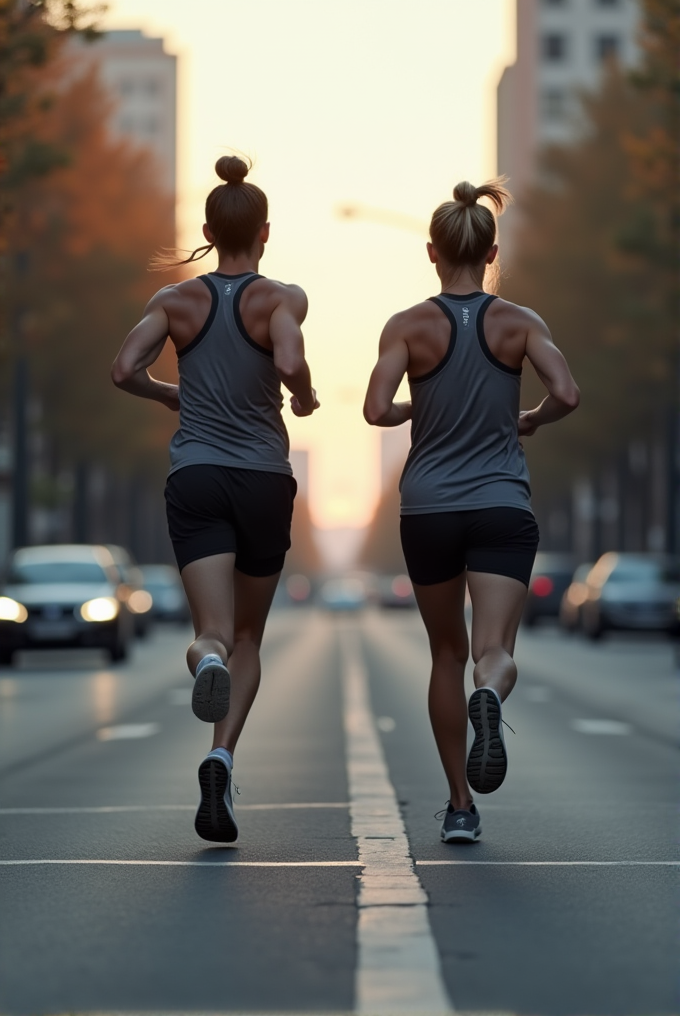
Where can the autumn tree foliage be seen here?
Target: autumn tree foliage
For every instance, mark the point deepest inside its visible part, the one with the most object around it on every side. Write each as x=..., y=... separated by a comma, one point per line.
x=598, y=259
x=80, y=223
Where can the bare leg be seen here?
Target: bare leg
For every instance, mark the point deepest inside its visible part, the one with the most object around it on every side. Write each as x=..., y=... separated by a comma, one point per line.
x=253, y=599
x=209, y=585
x=497, y=605
x=442, y=609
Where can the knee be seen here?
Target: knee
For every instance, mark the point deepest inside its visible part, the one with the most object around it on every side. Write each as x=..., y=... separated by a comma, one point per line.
x=452, y=653
x=247, y=637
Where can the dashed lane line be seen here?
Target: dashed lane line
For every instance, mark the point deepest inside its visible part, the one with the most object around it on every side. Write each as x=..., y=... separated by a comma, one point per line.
x=398, y=966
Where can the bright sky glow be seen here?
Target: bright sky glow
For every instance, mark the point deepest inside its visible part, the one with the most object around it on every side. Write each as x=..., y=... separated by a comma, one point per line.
x=384, y=103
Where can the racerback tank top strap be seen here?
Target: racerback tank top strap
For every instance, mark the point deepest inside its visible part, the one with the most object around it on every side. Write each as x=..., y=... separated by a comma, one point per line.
x=465, y=452
x=230, y=392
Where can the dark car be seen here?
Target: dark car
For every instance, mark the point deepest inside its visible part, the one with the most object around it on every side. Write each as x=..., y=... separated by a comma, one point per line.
x=574, y=597
x=163, y=584
x=64, y=595
x=631, y=592
x=550, y=578
x=395, y=591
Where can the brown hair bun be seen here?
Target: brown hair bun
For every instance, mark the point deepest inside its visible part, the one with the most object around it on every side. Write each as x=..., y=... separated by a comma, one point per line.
x=466, y=193
x=231, y=169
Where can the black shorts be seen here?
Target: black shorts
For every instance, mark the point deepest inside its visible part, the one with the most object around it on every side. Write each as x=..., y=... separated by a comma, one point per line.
x=220, y=510
x=498, y=541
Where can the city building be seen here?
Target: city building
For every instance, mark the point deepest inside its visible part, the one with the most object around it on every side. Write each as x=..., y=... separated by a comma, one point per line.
x=143, y=79
x=562, y=46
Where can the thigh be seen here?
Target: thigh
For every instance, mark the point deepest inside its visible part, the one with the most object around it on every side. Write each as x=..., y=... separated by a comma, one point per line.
x=497, y=605
x=262, y=504
x=253, y=597
x=434, y=547
x=209, y=585
x=442, y=607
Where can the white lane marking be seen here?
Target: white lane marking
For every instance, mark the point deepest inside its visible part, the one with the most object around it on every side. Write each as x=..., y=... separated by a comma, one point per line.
x=117, y=809
x=398, y=968
x=561, y=864
x=385, y=724
x=607, y=727
x=127, y=731
x=180, y=696
x=189, y=864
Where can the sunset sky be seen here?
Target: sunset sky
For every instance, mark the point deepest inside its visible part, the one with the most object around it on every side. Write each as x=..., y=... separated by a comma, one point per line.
x=382, y=103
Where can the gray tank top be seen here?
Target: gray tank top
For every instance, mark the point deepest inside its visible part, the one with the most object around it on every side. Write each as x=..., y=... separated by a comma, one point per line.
x=465, y=451
x=229, y=391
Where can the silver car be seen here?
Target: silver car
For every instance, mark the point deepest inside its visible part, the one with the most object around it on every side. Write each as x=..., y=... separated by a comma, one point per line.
x=64, y=595
x=631, y=592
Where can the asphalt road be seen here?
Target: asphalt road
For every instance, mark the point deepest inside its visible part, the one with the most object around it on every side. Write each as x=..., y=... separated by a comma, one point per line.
x=572, y=910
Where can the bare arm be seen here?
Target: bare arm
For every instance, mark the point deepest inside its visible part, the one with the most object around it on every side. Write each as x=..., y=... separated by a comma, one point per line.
x=563, y=394
x=380, y=409
x=285, y=333
x=141, y=348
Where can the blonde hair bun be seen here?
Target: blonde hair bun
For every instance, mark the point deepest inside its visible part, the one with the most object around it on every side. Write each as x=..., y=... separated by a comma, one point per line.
x=231, y=169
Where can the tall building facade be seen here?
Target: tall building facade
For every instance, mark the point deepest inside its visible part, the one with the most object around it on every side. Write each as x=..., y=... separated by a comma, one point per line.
x=562, y=46
x=142, y=78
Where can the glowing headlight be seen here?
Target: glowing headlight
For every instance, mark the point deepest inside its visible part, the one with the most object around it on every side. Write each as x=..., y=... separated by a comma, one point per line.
x=10, y=610
x=104, y=608
x=140, y=601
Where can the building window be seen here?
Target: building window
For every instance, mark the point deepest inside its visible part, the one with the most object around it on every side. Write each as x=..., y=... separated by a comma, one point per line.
x=553, y=104
x=606, y=47
x=554, y=47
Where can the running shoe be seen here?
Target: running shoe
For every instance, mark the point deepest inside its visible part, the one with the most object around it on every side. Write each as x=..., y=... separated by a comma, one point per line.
x=460, y=826
x=215, y=816
x=212, y=688
x=487, y=762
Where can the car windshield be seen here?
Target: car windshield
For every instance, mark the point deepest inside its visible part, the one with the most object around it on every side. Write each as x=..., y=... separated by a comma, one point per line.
x=56, y=572
x=645, y=571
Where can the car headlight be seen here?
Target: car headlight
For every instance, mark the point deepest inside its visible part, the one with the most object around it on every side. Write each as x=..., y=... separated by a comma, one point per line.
x=103, y=608
x=12, y=610
x=140, y=602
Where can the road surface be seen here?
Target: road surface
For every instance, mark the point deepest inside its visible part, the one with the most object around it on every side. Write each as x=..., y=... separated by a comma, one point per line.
x=339, y=896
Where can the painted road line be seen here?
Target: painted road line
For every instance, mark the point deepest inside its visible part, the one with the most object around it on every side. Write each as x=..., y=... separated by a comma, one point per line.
x=127, y=731
x=558, y=864
x=182, y=864
x=603, y=727
x=398, y=967
x=122, y=808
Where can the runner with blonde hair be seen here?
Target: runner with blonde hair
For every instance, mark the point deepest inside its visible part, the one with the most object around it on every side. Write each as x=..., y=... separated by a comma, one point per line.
x=466, y=512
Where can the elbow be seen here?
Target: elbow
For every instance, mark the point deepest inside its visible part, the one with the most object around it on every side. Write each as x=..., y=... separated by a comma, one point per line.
x=119, y=375
x=373, y=413
x=571, y=397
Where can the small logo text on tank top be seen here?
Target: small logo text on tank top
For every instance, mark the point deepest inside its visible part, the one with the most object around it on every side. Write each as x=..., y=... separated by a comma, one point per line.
x=466, y=316
x=227, y=289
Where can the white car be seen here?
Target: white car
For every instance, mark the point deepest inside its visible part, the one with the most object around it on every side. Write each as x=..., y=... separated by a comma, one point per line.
x=64, y=595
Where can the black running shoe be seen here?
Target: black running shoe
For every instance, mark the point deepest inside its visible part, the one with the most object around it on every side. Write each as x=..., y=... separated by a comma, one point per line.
x=215, y=816
x=212, y=689
x=487, y=762
x=460, y=826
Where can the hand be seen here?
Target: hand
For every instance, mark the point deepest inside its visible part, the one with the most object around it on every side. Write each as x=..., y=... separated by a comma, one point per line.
x=527, y=423
x=297, y=408
x=171, y=397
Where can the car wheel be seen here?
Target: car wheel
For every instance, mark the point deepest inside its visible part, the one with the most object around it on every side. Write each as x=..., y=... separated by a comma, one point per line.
x=119, y=650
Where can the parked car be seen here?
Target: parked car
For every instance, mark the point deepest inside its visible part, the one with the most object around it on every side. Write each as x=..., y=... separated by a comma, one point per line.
x=550, y=578
x=64, y=595
x=163, y=584
x=395, y=591
x=574, y=598
x=634, y=592
x=343, y=594
x=139, y=599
